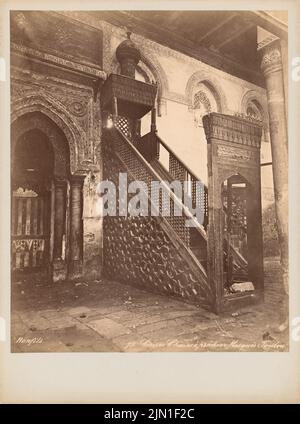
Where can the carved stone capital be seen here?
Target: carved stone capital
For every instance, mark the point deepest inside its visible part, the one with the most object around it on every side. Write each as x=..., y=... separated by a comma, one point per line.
x=271, y=58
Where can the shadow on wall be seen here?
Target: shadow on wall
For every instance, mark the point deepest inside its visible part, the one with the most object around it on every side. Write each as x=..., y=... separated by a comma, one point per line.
x=270, y=236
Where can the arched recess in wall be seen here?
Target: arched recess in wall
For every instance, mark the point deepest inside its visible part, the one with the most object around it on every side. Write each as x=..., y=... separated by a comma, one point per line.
x=59, y=115
x=34, y=127
x=204, y=95
x=150, y=70
x=255, y=107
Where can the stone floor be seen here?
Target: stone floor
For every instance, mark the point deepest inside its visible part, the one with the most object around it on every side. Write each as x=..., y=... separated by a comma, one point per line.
x=106, y=316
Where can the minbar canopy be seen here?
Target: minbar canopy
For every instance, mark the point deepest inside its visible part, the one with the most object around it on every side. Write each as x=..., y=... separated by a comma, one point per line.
x=134, y=98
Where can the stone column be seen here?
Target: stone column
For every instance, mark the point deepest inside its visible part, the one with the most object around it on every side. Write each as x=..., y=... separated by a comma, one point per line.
x=59, y=218
x=76, y=226
x=254, y=235
x=59, y=201
x=285, y=59
x=271, y=66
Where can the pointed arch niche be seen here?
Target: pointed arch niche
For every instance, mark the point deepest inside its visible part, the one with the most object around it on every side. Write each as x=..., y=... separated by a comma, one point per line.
x=254, y=106
x=42, y=158
x=203, y=101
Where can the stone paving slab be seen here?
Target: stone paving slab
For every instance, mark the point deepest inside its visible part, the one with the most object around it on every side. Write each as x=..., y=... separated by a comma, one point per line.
x=36, y=321
x=108, y=328
x=80, y=324
x=62, y=322
x=177, y=323
x=79, y=310
x=85, y=340
x=106, y=310
x=19, y=328
x=123, y=316
x=114, y=317
x=50, y=313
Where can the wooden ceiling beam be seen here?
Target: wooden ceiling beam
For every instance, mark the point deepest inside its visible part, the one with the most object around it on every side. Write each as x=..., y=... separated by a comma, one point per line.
x=175, y=41
x=234, y=36
x=210, y=34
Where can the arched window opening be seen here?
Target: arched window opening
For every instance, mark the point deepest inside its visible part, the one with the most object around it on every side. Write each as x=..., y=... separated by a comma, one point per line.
x=254, y=110
x=203, y=102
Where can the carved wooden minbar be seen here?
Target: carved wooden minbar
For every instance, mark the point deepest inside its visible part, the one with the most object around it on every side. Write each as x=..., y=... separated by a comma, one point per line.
x=216, y=266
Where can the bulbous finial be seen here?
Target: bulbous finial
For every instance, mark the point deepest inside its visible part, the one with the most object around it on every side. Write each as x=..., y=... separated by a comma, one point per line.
x=128, y=56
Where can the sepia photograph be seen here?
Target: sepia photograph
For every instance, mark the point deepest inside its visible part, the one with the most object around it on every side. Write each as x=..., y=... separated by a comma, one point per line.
x=149, y=181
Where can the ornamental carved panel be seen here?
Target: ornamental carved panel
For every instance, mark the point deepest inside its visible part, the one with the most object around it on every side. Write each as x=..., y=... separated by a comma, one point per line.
x=236, y=154
x=76, y=100
x=78, y=41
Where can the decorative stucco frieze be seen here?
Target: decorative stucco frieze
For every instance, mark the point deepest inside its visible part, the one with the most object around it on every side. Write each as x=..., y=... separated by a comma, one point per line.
x=89, y=70
x=76, y=100
x=56, y=111
x=236, y=154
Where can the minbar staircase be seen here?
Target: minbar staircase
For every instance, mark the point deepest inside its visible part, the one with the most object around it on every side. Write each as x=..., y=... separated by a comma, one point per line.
x=151, y=146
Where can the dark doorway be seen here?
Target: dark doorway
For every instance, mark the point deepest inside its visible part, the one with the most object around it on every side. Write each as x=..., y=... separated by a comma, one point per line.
x=235, y=200
x=32, y=173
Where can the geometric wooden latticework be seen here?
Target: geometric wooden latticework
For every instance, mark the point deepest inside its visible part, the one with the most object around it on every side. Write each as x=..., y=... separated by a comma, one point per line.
x=30, y=230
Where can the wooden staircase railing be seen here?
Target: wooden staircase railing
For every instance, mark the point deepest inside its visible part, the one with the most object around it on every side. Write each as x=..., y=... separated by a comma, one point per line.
x=138, y=168
x=169, y=167
x=154, y=148
x=168, y=164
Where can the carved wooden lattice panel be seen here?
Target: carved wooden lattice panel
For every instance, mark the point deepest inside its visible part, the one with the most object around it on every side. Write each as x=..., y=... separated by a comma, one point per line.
x=30, y=230
x=200, y=198
x=176, y=169
x=140, y=173
x=123, y=124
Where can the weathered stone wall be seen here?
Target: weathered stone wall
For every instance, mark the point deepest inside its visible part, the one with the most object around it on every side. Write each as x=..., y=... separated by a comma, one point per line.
x=92, y=228
x=68, y=96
